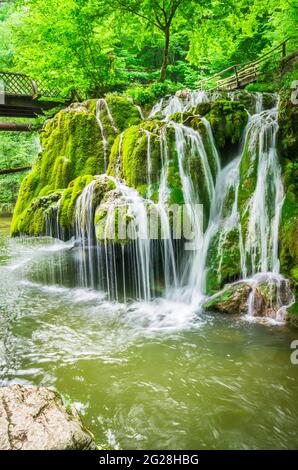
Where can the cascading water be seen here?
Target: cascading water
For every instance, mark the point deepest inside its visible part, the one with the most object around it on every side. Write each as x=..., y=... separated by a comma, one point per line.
x=100, y=105
x=261, y=245
x=143, y=267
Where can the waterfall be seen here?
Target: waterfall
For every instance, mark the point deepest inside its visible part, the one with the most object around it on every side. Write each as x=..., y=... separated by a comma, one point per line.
x=261, y=245
x=182, y=101
x=52, y=221
x=258, y=245
x=100, y=105
x=143, y=266
x=84, y=226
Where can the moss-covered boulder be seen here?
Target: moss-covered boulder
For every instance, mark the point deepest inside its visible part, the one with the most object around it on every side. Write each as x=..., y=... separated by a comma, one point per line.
x=129, y=157
x=288, y=229
x=32, y=221
x=232, y=299
x=289, y=223
x=112, y=218
x=75, y=146
x=227, y=119
x=288, y=127
x=101, y=185
x=223, y=258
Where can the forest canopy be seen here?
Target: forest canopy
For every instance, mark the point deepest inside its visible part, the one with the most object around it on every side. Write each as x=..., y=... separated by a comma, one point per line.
x=103, y=45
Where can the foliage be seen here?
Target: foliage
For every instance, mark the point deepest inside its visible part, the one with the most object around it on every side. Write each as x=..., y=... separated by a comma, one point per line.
x=17, y=149
x=147, y=96
x=96, y=46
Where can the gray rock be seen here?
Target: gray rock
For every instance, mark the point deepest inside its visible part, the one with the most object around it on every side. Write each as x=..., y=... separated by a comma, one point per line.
x=34, y=418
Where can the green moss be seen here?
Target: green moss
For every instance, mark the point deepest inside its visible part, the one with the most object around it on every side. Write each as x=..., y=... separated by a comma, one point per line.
x=69, y=198
x=123, y=111
x=223, y=260
x=227, y=119
x=288, y=231
x=288, y=127
x=32, y=221
x=129, y=161
x=72, y=147
x=109, y=214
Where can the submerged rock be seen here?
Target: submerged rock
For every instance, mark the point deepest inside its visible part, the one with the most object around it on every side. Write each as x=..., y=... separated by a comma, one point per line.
x=264, y=295
x=34, y=418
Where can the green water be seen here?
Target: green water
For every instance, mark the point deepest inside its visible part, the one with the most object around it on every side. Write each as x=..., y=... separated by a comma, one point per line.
x=143, y=376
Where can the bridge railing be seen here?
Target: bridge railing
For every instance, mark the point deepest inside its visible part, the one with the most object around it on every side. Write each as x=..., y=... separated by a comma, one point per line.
x=240, y=75
x=18, y=84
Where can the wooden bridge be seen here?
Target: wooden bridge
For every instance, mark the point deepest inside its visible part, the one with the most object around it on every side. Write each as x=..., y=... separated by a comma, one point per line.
x=20, y=96
x=239, y=75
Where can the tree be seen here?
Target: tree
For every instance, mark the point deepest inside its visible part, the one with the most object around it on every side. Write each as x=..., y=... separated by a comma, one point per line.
x=158, y=13
x=67, y=44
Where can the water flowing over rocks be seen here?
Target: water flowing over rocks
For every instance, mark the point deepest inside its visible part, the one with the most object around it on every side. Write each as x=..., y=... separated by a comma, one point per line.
x=34, y=418
x=264, y=295
x=102, y=161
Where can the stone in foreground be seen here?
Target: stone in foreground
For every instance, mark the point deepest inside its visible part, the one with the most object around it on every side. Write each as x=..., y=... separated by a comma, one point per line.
x=34, y=418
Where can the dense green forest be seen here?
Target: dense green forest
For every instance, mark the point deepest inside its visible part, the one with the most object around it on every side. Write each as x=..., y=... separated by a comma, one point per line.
x=96, y=46
x=143, y=49
x=148, y=225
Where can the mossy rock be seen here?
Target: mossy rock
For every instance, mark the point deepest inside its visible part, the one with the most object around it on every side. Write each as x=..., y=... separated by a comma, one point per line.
x=129, y=160
x=288, y=229
x=223, y=259
x=231, y=300
x=269, y=294
x=228, y=120
x=73, y=151
x=124, y=112
x=32, y=221
x=288, y=127
x=293, y=315
x=112, y=212
x=102, y=185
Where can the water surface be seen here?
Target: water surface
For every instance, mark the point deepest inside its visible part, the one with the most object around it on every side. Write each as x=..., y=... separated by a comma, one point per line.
x=144, y=376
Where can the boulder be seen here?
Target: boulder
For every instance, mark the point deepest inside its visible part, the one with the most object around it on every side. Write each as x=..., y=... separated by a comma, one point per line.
x=264, y=295
x=232, y=299
x=34, y=418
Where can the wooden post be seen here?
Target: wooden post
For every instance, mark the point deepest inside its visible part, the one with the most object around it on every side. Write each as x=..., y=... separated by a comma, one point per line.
x=15, y=126
x=236, y=75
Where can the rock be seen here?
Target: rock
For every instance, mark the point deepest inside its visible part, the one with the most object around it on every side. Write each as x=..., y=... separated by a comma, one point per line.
x=232, y=299
x=75, y=143
x=34, y=418
x=265, y=295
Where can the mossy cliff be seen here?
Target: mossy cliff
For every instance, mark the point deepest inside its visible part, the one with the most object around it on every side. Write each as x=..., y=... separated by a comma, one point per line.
x=80, y=140
x=288, y=230
x=227, y=119
x=72, y=152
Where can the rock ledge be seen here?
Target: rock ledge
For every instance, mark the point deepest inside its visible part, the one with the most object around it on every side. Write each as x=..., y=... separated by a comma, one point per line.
x=34, y=418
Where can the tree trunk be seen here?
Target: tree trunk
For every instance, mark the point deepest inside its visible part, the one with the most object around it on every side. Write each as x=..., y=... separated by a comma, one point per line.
x=15, y=127
x=163, y=70
x=8, y=171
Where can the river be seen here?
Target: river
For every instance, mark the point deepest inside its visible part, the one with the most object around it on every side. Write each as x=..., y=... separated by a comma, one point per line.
x=143, y=376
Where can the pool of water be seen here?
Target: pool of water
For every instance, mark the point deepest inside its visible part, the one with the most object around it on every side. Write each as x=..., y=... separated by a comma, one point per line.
x=143, y=376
